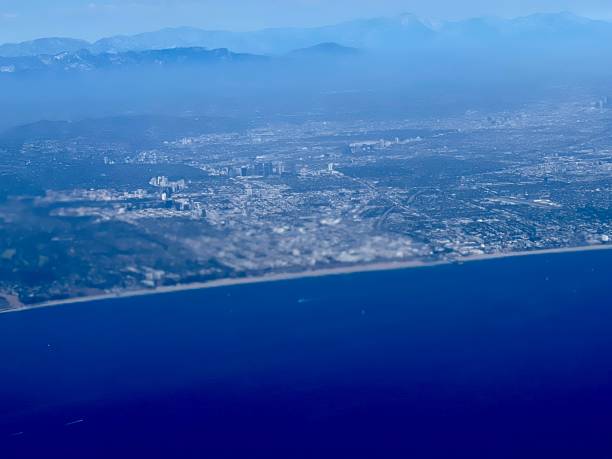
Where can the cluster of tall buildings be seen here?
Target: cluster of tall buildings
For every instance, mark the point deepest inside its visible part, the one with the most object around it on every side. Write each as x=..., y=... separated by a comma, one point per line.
x=371, y=145
x=261, y=169
x=165, y=184
x=167, y=187
x=196, y=209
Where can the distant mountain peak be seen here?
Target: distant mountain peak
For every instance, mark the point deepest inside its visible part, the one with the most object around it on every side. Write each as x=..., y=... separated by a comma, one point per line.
x=50, y=45
x=409, y=19
x=326, y=49
x=382, y=33
x=563, y=17
x=84, y=60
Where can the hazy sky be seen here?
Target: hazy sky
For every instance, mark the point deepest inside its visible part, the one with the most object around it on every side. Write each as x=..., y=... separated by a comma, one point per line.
x=91, y=19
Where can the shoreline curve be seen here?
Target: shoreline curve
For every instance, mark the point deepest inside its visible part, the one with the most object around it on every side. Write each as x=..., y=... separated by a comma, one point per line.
x=325, y=272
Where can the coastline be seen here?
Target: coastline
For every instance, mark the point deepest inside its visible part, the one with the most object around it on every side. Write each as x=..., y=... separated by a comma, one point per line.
x=270, y=278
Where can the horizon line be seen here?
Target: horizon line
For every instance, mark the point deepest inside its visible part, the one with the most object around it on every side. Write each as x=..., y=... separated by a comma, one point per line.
x=426, y=21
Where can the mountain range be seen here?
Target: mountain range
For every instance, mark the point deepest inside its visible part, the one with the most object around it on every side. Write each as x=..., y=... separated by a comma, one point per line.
x=402, y=32
x=85, y=60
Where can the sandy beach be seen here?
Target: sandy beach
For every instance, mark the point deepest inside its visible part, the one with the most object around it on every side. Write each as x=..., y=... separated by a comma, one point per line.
x=365, y=268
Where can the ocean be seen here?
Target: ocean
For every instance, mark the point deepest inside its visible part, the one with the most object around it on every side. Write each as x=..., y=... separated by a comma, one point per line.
x=503, y=358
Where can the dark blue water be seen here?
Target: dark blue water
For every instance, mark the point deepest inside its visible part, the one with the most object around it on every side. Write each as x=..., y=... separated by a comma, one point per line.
x=500, y=359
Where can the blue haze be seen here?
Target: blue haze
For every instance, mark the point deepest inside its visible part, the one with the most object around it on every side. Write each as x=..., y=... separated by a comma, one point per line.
x=23, y=20
x=404, y=66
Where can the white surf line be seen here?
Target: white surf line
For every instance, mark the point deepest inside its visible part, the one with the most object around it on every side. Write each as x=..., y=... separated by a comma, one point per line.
x=366, y=268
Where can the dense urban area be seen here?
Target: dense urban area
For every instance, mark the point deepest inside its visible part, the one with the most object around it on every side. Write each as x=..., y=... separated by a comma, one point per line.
x=109, y=205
